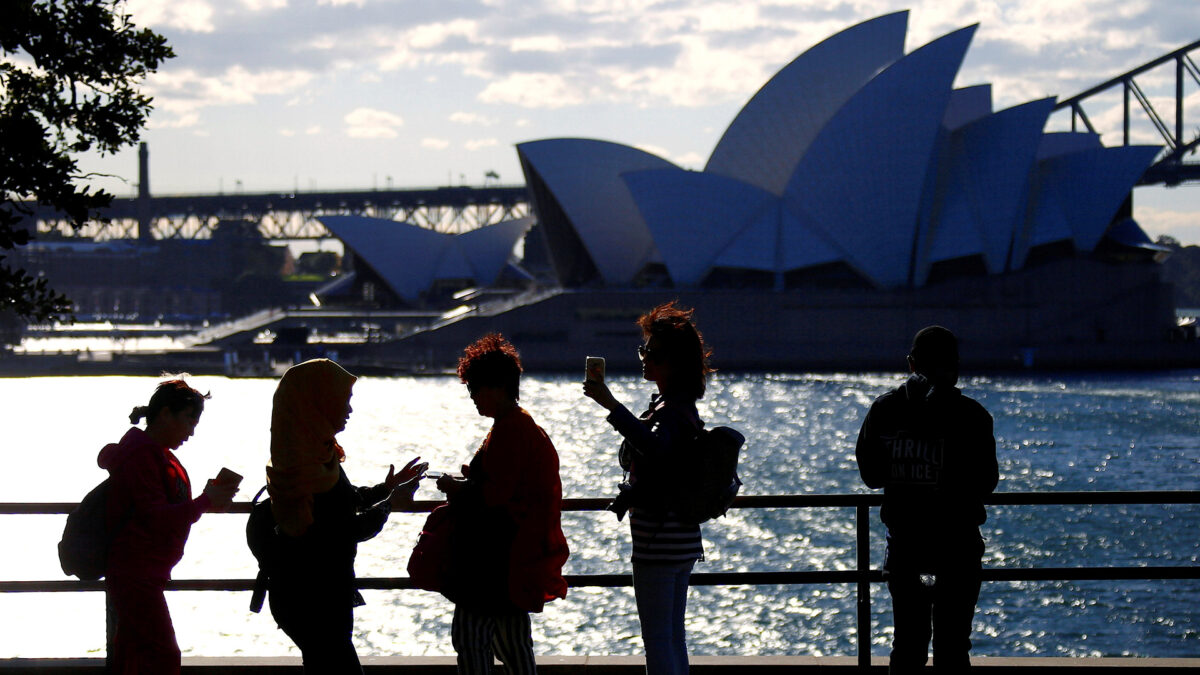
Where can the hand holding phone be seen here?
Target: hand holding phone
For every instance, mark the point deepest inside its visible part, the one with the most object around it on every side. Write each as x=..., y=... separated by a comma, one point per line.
x=220, y=490
x=228, y=477
x=593, y=368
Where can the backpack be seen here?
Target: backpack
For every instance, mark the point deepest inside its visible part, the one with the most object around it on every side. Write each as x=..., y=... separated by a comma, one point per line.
x=261, y=538
x=708, y=480
x=83, y=549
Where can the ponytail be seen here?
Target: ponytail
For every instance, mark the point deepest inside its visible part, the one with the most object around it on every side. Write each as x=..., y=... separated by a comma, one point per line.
x=174, y=395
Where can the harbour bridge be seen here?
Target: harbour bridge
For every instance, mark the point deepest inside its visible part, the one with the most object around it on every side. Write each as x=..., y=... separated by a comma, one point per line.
x=1171, y=167
x=292, y=215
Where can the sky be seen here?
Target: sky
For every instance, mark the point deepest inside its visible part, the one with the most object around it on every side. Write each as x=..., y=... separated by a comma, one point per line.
x=283, y=95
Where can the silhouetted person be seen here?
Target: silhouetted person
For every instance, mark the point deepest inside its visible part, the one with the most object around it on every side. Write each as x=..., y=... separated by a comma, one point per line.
x=508, y=543
x=151, y=500
x=932, y=451
x=665, y=549
x=321, y=517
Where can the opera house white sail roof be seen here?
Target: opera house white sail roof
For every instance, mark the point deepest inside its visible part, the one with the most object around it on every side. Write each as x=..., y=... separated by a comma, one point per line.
x=855, y=155
x=410, y=259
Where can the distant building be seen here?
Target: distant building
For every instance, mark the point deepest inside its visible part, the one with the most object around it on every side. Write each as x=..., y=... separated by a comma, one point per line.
x=234, y=272
x=397, y=264
x=857, y=164
x=855, y=198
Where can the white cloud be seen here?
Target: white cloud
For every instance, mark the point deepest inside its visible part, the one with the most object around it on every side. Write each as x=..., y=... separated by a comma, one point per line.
x=194, y=16
x=183, y=119
x=691, y=160
x=264, y=5
x=1182, y=225
x=537, y=90
x=472, y=118
x=425, y=45
x=480, y=143
x=656, y=150
x=287, y=133
x=313, y=130
x=236, y=86
x=687, y=160
x=323, y=42
x=538, y=43
x=372, y=123
x=435, y=143
x=432, y=35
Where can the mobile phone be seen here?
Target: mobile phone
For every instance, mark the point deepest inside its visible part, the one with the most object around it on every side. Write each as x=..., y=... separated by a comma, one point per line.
x=593, y=368
x=228, y=476
x=434, y=474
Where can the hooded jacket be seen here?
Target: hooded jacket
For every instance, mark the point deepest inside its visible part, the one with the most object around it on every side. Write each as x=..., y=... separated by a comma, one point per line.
x=152, y=489
x=932, y=451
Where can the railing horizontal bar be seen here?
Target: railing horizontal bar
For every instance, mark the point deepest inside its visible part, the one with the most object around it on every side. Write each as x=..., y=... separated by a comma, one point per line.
x=1082, y=498
x=1162, y=572
x=1093, y=573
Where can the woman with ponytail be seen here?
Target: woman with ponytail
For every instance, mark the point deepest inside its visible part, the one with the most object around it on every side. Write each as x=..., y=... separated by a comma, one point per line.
x=152, y=494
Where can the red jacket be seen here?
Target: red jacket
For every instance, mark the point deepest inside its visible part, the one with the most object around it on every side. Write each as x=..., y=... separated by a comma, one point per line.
x=520, y=467
x=152, y=493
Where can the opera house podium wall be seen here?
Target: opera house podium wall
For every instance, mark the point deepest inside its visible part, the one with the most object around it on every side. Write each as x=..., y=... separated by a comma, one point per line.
x=1073, y=314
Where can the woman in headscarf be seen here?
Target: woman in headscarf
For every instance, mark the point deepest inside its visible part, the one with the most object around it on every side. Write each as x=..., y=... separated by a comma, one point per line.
x=321, y=517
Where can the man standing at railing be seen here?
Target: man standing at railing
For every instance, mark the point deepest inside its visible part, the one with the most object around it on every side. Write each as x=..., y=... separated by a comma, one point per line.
x=932, y=451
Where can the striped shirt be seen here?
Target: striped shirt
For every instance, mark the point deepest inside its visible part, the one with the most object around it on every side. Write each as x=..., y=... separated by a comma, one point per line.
x=658, y=539
x=658, y=433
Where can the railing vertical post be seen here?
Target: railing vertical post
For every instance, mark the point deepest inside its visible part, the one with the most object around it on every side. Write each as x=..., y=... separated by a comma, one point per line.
x=110, y=628
x=863, y=524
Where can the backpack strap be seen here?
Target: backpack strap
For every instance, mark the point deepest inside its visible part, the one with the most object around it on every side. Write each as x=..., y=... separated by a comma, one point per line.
x=259, y=593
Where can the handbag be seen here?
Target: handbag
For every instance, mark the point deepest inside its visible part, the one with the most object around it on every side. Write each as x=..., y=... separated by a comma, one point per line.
x=431, y=561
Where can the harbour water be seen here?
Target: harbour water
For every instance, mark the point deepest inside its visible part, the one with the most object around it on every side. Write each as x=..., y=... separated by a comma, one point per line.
x=1054, y=432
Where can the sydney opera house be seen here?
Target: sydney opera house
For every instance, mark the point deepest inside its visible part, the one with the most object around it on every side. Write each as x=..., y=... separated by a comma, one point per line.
x=856, y=197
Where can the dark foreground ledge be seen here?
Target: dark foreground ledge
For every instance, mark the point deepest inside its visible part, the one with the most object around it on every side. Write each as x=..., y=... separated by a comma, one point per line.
x=622, y=665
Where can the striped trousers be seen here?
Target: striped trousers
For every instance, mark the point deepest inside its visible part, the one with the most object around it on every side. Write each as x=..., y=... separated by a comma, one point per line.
x=478, y=638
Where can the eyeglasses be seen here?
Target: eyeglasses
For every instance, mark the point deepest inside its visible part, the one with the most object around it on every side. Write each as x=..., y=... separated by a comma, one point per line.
x=646, y=353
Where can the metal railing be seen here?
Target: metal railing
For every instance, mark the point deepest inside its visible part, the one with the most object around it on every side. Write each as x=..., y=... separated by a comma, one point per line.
x=862, y=575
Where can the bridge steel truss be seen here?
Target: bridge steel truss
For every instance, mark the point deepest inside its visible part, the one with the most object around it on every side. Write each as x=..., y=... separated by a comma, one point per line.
x=1170, y=168
x=293, y=215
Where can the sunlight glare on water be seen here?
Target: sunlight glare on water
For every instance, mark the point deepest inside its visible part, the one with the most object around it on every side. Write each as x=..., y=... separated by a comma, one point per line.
x=1098, y=432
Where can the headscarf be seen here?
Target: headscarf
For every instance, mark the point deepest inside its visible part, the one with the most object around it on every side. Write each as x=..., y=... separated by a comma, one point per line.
x=308, y=409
